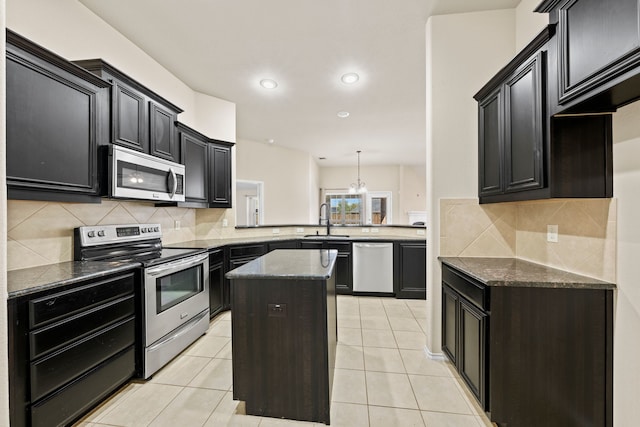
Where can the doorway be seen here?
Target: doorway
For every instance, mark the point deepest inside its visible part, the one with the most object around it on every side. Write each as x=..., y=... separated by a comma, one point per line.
x=250, y=205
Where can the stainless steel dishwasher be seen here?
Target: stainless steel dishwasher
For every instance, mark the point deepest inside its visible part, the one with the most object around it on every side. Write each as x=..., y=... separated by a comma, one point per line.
x=373, y=268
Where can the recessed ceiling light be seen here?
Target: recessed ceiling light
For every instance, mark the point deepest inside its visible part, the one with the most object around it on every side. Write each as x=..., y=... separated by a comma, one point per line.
x=343, y=114
x=349, y=78
x=270, y=140
x=268, y=84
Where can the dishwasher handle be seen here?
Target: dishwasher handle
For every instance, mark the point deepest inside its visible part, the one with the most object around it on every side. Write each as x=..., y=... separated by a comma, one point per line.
x=373, y=245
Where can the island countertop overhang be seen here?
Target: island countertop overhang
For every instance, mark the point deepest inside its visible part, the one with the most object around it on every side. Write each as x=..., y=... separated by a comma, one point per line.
x=289, y=264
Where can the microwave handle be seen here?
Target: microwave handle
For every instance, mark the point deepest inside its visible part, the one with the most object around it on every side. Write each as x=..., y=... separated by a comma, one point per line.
x=172, y=182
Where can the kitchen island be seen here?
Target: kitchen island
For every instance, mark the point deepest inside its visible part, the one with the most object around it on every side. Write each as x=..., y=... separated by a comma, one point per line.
x=284, y=333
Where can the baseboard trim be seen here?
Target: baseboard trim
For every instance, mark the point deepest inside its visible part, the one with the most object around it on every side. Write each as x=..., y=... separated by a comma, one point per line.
x=434, y=356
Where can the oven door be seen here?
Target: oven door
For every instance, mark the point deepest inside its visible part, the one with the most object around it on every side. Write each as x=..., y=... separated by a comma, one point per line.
x=135, y=175
x=175, y=292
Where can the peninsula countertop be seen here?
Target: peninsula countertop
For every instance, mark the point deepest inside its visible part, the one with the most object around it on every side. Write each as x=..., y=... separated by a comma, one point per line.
x=312, y=264
x=515, y=272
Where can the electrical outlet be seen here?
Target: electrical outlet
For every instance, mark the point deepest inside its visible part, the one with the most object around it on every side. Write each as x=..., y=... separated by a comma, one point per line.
x=421, y=232
x=365, y=230
x=374, y=230
x=552, y=233
x=176, y=224
x=225, y=222
x=275, y=230
x=299, y=230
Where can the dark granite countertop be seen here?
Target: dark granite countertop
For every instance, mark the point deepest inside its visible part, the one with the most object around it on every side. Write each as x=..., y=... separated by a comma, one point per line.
x=520, y=273
x=311, y=264
x=218, y=243
x=30, y=280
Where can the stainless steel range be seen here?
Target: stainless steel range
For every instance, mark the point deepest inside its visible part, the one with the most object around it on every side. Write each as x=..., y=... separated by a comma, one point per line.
x=176, y=285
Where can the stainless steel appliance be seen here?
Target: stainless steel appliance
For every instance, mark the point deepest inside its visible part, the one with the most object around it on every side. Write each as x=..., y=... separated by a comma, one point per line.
x=373, y=267
x=175, y=298
x=135, y=175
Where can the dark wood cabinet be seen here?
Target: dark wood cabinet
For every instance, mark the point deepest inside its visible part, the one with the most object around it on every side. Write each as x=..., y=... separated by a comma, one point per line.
x=220, y=174
x=285, y=244
x=194, y=149
x=531, y=355
x=598, y=53
x=465, y=330
x=410, y=270
x=218, y=292
x=524, y=152
x=344, y=266
x=70, y=347
x=239, y=255
x=56, y=115
x=140, y=118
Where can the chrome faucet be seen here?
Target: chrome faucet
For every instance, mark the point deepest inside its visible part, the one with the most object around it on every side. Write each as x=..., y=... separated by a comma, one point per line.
x=326, y=211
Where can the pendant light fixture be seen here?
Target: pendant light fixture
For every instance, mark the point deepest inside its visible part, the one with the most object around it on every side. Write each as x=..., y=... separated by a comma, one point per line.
x=358, y=187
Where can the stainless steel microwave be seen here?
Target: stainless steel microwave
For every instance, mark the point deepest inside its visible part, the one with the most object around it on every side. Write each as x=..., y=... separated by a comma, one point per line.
x=135, y=175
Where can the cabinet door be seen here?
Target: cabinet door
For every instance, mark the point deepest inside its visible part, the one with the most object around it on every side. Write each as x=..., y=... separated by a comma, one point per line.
x=216, y=289
x=344, y=276
x=129, y=121
x=524, y=130
x=54, y=119
x=162, y=137
x=410, y=270
x=310, y=245
x=220, y=176
x=472, y=351
x=196, y=160
x=599, y=40
x=450, y=323
x=490, y=144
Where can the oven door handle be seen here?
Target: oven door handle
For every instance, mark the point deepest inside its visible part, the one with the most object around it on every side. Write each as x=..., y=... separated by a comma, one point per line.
x=182, y=264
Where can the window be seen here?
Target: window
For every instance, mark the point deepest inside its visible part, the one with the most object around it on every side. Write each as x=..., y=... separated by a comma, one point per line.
x=346, y=209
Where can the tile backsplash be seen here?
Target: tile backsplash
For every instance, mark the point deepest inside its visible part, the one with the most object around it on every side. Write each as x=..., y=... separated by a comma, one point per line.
x=42, y=232
x=586, y=232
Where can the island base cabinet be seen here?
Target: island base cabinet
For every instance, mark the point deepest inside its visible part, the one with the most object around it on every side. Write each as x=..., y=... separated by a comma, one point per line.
x=284, y=339
x=551, y=357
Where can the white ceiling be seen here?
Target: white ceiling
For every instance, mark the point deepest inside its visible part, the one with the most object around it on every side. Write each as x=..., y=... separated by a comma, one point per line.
x=224, y=47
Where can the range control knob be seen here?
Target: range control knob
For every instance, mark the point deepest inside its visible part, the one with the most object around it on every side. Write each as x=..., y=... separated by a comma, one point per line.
x=156, y=229
x=91, y=234
x=143, y=230
x=101, y=233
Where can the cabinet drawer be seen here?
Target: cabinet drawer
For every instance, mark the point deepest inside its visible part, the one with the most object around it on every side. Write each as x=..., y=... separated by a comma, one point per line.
x=79, y=396
x=472, y=290
x=244, y=251
x=342, y=247
x=216, y=257
x=59, y=334
x=63, y=304
x=63, y=366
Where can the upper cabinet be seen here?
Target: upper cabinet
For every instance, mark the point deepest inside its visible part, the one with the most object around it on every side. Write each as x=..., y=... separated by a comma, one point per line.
x=208, y=169
x=523, y=152
x=220, y=174
x=140, y=119
x=56, y=117
x=598, y=53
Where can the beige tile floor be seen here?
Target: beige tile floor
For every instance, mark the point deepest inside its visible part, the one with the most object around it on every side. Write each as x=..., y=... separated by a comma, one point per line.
x=383, y=378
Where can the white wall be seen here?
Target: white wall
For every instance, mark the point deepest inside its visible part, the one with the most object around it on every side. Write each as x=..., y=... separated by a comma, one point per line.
x=528, y=24
x=407, y=184
x=287, y=178
x=72, y=31
x=463, y=52
x=626, y=350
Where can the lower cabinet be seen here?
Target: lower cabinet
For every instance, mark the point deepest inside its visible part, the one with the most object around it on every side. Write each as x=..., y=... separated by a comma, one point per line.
x=217, y=289
x=410, y=270
x=531, y=355
x=344, y=266
x=239, y=255
x=464, y=331
x=69, y=348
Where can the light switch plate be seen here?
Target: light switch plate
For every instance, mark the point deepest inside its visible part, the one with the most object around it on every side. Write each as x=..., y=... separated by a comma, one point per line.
x=374, y=230
x=299, y=230
x=421, y=233
x=275, y=230
x=365, y=230
x=552, y=233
